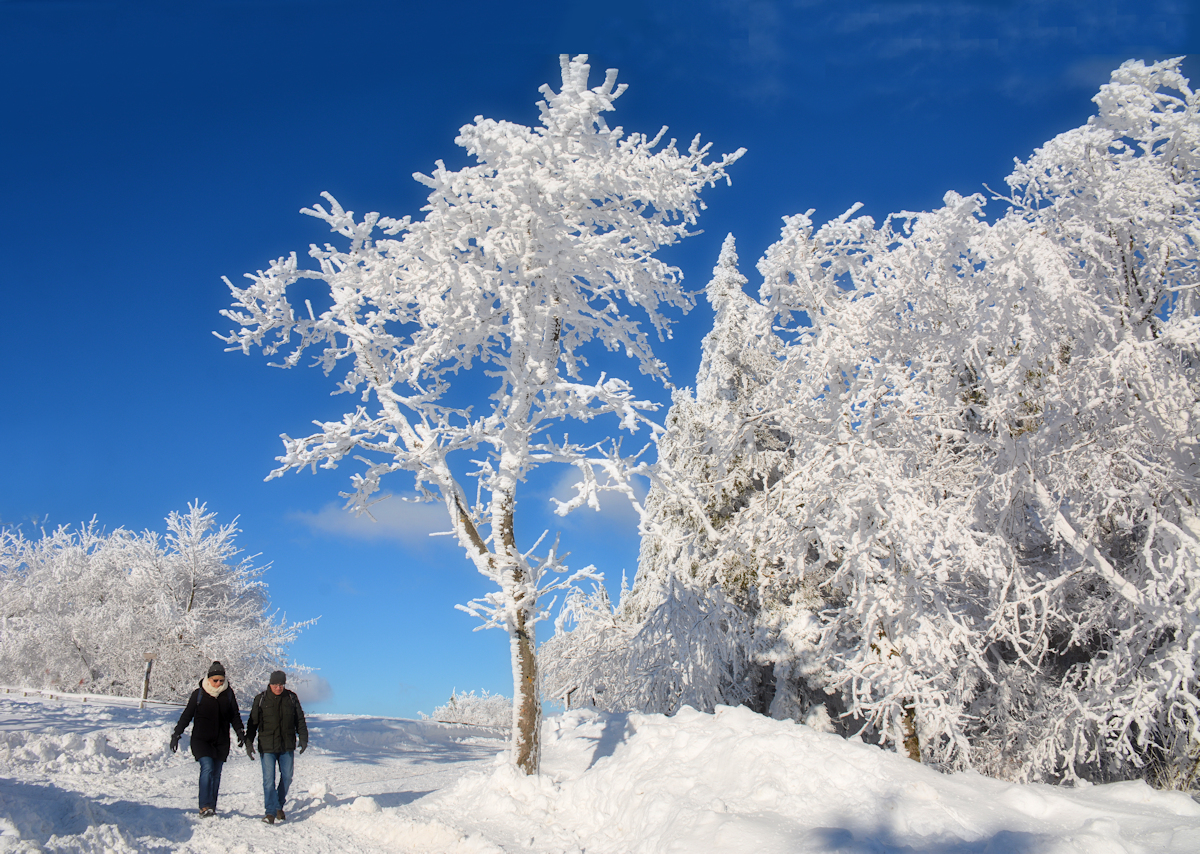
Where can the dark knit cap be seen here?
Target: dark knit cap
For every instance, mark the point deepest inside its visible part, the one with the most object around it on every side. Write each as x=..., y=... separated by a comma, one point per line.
x=278, y=677
x=216, y=669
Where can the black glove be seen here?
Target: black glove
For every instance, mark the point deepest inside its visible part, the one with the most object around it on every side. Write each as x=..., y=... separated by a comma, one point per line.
x=304, y=747
x=174, y=742
x=250, y=749
x=241, y=739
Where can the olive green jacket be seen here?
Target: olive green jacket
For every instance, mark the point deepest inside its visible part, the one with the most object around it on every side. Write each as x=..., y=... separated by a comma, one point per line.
x=278, y=722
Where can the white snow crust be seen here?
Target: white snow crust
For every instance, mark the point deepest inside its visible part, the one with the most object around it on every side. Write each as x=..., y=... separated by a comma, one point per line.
x=98, y=776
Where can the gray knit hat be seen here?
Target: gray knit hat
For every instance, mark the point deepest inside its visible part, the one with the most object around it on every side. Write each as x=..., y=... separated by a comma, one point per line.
x=216, y=669
x=278, y=677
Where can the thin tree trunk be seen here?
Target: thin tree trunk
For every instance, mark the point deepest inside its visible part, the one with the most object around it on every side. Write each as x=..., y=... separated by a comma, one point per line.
x=527, y=708
x=527, y=705
x=912, y=742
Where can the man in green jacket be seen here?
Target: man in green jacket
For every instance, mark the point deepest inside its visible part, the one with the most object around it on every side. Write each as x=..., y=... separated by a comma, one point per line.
x=278, y=720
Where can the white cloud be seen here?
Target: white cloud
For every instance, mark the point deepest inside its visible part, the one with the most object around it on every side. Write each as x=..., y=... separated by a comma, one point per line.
x=411, y=523
x=311, y=688
x=394, y=519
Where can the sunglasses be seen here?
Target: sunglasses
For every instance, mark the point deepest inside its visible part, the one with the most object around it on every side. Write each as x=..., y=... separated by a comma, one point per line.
x=216, y=680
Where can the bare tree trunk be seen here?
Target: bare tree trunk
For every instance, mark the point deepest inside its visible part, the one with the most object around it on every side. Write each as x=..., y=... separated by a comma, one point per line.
x=527, y=706
x=912, y=742
x=527, y=699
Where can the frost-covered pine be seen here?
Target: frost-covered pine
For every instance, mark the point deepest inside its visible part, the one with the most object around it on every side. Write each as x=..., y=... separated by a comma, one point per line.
x=78, y=609
x=523, y=264
x=683, y=634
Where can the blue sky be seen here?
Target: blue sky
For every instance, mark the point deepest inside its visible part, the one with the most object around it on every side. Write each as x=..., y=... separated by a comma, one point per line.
x=149, y=149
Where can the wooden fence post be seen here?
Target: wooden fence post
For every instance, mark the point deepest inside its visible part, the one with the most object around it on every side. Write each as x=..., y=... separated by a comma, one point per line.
x=149, y=658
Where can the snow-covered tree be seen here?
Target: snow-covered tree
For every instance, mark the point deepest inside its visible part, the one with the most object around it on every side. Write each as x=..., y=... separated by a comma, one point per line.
x=78, y=609
x=522, y=264
x=979, y=540
x=689, y=646
x=998, y=440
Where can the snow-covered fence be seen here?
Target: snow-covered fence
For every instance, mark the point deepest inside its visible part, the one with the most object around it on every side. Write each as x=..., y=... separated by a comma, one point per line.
x=110, y=699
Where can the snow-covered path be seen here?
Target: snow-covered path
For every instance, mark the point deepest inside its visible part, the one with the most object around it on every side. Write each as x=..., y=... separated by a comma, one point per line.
x=97, y=776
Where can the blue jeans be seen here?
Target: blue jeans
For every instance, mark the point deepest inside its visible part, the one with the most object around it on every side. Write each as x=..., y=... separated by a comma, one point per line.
x=274, y=796
x=210, y=781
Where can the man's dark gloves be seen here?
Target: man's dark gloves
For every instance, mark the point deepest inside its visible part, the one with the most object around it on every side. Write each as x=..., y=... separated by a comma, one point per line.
x=304, y=747
x=241, y=739
x=174, y=742
x=250, y=749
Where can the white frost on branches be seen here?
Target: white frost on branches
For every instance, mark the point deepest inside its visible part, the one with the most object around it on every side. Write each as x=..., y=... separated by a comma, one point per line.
x=980, y=539
x=78, y=609
x=523, y=260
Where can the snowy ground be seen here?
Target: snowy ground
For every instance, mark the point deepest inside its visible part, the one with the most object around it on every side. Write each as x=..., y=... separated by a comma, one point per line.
x=97, y=776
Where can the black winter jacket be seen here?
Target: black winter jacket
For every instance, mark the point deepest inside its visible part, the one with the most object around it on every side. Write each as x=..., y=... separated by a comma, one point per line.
x=211, y=717
x=279, y=721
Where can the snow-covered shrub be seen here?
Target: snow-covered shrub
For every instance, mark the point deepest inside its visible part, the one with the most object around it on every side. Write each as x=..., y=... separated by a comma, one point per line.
x=464, y=707
x=690, y=647
x=79, y=608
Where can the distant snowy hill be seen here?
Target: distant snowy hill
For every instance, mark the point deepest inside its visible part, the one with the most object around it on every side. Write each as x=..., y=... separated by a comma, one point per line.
x=98, y=776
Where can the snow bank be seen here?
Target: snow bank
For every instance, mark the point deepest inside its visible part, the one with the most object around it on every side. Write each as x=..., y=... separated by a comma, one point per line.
x=121, y=750
x=735, y=781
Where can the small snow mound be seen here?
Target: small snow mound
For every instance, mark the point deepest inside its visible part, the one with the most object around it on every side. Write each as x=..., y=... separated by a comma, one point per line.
x=364, y=804
x=97, y=839
x=11, y=842
x=1023, y=799
x=319, y=790
x=1136, y=793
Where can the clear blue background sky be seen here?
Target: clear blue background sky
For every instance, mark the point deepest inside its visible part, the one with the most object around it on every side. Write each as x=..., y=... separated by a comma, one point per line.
x=148, y=148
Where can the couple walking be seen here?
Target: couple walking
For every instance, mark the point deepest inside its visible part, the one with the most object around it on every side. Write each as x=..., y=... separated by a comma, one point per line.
x=275, y=716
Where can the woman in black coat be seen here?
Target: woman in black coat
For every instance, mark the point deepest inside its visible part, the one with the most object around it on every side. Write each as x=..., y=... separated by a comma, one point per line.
x=211, y=710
